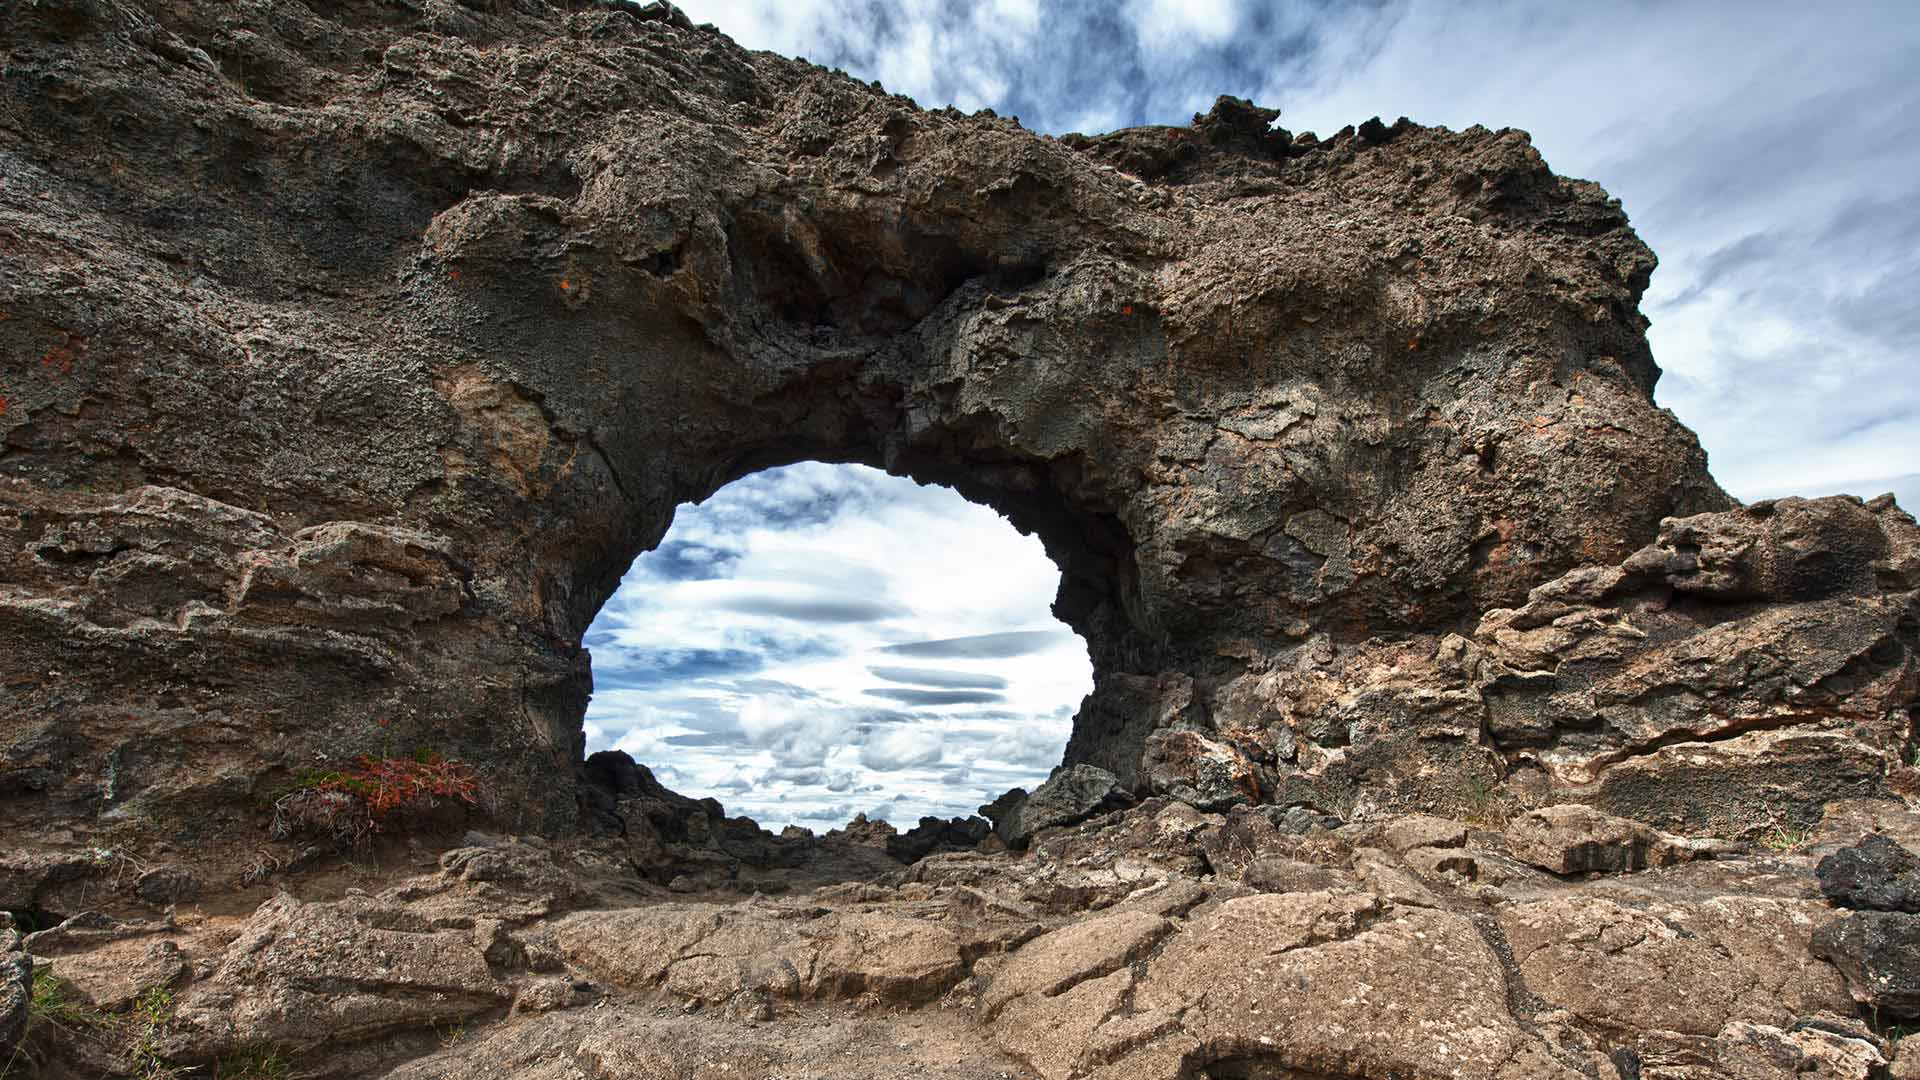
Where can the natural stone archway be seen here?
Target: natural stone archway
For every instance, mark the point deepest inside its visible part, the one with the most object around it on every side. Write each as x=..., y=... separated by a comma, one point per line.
x=349, y=359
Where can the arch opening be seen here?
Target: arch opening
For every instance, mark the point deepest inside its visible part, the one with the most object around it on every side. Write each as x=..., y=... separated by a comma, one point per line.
x=818, y=640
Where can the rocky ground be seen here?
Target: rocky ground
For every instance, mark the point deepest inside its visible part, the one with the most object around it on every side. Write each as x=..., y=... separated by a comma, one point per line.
x=1150, y=941
x=350, y=352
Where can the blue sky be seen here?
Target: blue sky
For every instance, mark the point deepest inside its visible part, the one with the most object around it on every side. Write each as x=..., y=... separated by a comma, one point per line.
x=1769, y=152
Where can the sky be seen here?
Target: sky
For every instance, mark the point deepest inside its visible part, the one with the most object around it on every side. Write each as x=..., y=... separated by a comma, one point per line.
x=818, y=641
x=1769, y=152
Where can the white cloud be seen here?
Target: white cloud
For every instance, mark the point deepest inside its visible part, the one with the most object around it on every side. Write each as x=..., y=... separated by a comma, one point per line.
x=902, y=748
x=1172, y=26
x=745, y=653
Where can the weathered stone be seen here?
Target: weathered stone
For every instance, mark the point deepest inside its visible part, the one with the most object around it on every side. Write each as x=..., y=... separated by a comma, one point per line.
x=16, y=987
x=937, y=834
x=1052, y=1032
x=1330, y=984
x=708, y=954
x=115, y=975
x=1279, y=874
x=1876, y=874
x=1069, y=796
x=1827, y=1048
x=1575, y=839
x=1208, y=774
x=1906, y=1059
x=1403, y=834
x=303, y=975
x=1054, y=963
x=167, y=885
x=1690, y=969
x=1879, y=952
x=1443, y=863
x=985, y=924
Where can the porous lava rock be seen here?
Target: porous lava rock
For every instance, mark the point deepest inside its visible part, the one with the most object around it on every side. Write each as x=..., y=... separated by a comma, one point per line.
x=16, y=986
x=1106, y=951
x=351, y=353
x=1875, y=874
x=1069, y=796
x=1573, y=839
x=1879, y=952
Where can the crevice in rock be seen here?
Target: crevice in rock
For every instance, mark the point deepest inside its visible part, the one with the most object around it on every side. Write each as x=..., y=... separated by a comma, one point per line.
x=1734, y=728
x=29, y=920
x=1522, y=1003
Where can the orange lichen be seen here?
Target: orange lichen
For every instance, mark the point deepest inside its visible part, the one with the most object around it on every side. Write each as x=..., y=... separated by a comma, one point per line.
x=62, y=354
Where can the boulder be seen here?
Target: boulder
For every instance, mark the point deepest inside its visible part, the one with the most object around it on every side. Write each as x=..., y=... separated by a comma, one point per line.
x=1875, y=874
x=708, y=954
x=113, y=976
x=165, y=885
x=1069, y=796
x=302, y=975
x=1879, y=953
x=1333, y=984
x=1054, y=963
x=1575, y=839
x=935, y=834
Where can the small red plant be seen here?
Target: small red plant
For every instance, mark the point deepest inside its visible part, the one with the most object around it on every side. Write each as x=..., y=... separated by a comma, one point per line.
x=354, y=804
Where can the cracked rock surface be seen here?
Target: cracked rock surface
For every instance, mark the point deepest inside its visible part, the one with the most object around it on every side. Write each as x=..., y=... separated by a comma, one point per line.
x=1100, y=952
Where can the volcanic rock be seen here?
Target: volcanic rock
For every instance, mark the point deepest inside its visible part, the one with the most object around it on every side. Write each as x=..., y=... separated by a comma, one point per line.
x=302, y=975
x=16, y=986
x=1690, y=969
x=353, y=351
x=1876, y=874
x=362, y=373
x=1879, y=952
x=1575, y=839
x=1069, y=796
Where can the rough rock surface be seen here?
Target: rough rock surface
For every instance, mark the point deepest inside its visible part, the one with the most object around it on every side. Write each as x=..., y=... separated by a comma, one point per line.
x=1879, y=952
x=1104, y=951
x=352, y=354
x=1876, y=874
x=1573, y=839
x=16, y=979
x=1069, y=796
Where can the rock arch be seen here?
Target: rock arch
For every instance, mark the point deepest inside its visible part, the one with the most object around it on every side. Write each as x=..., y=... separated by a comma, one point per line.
x=350, y=358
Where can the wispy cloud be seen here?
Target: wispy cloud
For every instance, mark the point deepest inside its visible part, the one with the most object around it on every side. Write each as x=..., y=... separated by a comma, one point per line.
x=747, y=670
x=943, y=677
x=982, y=646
